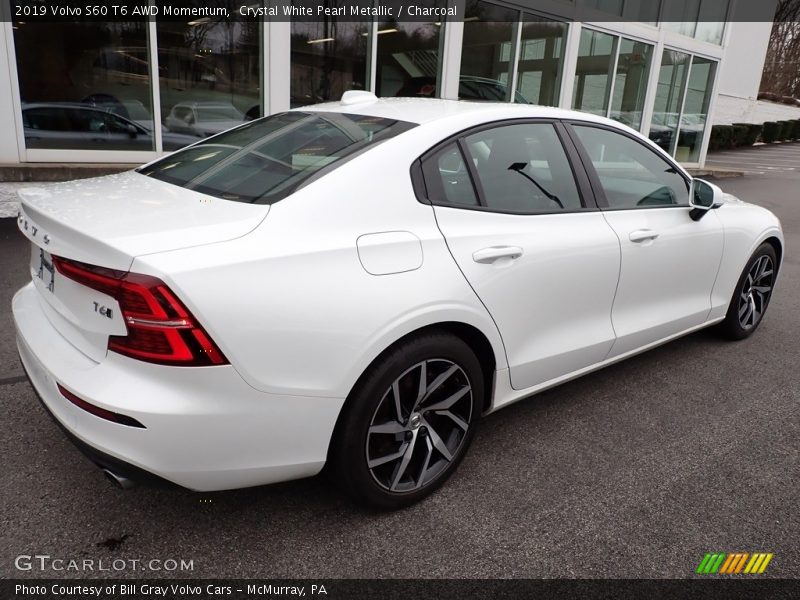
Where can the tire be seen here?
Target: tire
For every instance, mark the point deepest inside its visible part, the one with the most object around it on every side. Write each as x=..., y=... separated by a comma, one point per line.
x=387, y=461
x=752, y=294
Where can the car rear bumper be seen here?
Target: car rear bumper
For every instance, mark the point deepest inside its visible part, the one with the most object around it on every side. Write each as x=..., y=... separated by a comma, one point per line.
x=204, y=429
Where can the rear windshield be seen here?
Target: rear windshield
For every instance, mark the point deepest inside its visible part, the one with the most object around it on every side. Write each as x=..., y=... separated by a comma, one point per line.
x=266, y=160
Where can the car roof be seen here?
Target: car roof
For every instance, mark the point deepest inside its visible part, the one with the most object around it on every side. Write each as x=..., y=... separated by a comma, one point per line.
x=458, y=113
x=78, y=105
x=426, y=110
x=206, y=104
x=99, y=107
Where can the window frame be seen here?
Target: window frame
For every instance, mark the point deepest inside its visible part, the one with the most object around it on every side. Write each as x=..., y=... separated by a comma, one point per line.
x=579, y=174
x=594, y=178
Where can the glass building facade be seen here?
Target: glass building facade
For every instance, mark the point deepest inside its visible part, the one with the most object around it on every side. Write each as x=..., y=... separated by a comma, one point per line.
x=128, y=92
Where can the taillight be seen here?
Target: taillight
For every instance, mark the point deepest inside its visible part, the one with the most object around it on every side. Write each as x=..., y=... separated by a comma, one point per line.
x=160, y=328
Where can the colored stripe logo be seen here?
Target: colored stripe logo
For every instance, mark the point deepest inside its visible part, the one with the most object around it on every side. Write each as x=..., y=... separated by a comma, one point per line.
x=734, y=563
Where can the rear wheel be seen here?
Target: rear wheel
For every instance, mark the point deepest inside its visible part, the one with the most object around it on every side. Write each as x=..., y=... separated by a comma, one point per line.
x=409, y=422
x=752, y=294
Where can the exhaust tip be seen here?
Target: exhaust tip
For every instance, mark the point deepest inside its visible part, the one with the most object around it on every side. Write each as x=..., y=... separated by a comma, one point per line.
x=118, y=480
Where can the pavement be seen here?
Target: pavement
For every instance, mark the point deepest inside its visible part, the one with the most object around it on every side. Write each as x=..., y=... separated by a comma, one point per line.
x=9, y=201
x=634, y=471
x=762, y=159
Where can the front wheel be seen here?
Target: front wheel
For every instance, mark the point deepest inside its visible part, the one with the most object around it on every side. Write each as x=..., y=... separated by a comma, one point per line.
x=409, y=422
x=752, y=294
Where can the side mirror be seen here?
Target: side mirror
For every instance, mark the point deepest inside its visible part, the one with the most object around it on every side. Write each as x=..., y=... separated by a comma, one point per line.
x=132, y=131
x=703, y=197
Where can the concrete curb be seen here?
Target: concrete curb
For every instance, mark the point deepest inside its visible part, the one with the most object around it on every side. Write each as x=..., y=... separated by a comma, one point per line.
x=715, y=173
x=58, y=171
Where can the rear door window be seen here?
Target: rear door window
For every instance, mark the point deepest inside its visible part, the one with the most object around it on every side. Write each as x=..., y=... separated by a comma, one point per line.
x=523, y=169
x=448, y=178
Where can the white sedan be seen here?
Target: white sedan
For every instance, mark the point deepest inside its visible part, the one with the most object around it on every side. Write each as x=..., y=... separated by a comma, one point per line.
x=354, y=284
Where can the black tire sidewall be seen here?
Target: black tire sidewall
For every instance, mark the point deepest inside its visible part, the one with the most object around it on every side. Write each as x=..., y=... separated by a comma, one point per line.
x=348, y=449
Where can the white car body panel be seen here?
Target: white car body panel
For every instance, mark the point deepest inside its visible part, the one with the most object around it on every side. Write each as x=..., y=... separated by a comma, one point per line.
x=665, y=283
x=301, y=284
x=746, y=227
x=546, y=334
x=302, y=296
x=505, y=394
x=206, y=428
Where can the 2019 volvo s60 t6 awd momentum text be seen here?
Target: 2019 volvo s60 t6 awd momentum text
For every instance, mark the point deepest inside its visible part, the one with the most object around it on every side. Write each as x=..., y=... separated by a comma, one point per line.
x=356, y=283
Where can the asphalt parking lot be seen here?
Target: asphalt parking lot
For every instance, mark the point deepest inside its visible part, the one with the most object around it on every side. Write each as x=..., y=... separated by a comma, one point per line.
x=765, y=159
x=634, y=471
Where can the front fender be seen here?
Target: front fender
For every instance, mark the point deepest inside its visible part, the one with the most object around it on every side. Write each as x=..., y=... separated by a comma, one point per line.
x=746, y=227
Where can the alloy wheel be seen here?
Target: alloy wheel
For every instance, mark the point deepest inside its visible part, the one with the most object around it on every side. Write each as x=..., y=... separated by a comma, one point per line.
x=419, y=425
x=755, y=293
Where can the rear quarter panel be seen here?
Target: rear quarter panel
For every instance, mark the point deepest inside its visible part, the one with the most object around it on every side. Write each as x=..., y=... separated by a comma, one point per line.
x=291, y=305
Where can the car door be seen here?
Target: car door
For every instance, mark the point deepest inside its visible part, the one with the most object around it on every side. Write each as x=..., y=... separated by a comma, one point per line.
x=525, y=234
x=669, y=260
x=54, y=127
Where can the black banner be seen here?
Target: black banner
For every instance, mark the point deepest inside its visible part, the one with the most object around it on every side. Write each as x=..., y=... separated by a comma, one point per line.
x=661, y=11
x=391, y=589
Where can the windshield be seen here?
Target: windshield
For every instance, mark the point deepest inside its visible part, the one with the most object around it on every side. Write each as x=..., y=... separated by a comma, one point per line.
x=266, y=160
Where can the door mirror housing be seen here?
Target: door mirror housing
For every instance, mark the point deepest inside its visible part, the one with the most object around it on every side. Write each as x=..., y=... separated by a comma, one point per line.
x=704, y=196
x=132, y=131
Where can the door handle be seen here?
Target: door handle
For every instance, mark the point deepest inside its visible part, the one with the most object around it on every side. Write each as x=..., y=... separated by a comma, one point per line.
x=494, y=253
x=642, y=235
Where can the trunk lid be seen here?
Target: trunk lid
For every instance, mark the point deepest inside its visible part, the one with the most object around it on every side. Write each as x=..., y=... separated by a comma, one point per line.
x=107, y=222
x=115, y=218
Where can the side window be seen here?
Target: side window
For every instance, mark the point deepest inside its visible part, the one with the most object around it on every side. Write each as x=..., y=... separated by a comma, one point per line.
x=114, y=124
x=632, y=175
x=89, y=120
x=447, y=178
x=181, y=112
x=523, y=168
x=49, y=119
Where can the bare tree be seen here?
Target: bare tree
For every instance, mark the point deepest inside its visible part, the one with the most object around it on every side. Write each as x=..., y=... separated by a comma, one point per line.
x=782, y=67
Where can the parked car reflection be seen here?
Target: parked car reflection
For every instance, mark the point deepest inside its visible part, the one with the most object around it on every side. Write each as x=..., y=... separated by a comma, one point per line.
x=469, y=88
x=132, y=110
x=664, y=126
x=202, y=119
x=71, y=126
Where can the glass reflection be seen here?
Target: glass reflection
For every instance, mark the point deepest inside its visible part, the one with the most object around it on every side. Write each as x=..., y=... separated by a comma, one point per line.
x=329, y=57
x=593, y=72
x=85, y=85
x=681, y=16
x=695, y=109
x=711, y=23
x=541, y=60
x=408, y=58
x=701, y=19
x=669, y=96
x=486, y=54
x=630, y=83
x=644, y=11
x=210, y=77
